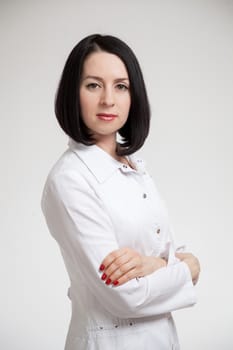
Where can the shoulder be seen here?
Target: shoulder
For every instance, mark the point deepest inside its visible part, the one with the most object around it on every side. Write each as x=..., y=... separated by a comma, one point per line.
x=68, y=172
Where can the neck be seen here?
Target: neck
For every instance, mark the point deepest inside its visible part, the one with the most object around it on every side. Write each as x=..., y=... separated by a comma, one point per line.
x=108, y=144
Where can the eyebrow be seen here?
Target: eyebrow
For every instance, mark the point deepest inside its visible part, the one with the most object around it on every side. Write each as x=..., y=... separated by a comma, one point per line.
x=100, y=79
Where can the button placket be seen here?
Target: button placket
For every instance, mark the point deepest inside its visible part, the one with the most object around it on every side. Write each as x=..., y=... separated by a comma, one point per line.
x=157, y=232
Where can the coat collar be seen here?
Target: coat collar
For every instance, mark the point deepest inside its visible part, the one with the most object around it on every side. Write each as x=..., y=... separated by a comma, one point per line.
x=100, y=163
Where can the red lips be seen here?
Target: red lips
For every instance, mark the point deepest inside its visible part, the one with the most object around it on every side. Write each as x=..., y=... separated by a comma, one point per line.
x=106, y=116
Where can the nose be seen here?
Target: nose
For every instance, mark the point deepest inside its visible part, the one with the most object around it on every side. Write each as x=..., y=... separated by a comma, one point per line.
x=107, y=97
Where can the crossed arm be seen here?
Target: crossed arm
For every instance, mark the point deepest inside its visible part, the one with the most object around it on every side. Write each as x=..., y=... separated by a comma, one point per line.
x=85, y=240
x=124, y=264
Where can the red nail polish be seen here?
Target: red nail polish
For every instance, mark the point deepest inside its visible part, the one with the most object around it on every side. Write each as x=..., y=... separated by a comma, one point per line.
x=104, y=276
x=116, y=283
x=108, y=281
x=102, y=267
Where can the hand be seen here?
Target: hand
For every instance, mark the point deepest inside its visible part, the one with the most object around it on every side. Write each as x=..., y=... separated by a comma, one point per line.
x=193, y=264
x=124, y=264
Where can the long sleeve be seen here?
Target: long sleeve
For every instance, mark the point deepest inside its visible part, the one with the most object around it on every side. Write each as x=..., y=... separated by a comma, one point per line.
x=77, y=219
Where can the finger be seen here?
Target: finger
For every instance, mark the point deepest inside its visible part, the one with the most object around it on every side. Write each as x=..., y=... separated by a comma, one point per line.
x=126, y=278
x=111, y=257
x=117, y=264
x=123, y=270
x=129, y=255
x=183, y=256
x=124, y=265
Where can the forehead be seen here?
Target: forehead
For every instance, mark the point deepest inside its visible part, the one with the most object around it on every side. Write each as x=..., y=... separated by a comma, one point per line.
x=104, y=64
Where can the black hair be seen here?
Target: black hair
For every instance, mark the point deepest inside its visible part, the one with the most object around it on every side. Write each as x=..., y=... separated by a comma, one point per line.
x=67, y=105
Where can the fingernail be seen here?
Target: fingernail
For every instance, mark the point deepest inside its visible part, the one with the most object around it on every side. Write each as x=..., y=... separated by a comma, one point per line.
x=116, y=283
x=108, y=281
x=102, y=267
x=104, y=276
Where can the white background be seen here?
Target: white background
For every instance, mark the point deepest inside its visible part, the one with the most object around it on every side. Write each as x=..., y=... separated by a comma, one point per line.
x=186, y=53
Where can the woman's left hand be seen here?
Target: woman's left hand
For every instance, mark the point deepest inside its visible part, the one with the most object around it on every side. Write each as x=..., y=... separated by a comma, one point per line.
x=124, y=264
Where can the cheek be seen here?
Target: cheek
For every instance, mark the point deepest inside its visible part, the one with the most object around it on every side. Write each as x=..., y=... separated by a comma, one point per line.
x=124, y=102
x=86, y=102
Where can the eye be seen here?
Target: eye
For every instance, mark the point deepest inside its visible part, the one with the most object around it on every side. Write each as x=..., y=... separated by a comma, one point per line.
x=92, y=86
x=122, y=87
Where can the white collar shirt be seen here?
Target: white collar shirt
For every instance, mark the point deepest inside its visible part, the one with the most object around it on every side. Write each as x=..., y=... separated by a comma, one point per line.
x=94, y=204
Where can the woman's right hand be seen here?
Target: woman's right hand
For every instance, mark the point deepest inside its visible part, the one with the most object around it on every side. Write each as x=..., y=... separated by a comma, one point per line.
x=193, y=264
x=124, y=264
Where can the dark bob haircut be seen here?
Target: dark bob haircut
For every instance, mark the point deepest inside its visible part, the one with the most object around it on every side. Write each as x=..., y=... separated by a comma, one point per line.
x=67, y=104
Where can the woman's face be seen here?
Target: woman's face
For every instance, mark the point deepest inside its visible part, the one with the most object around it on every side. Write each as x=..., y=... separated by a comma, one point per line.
x=104, y=94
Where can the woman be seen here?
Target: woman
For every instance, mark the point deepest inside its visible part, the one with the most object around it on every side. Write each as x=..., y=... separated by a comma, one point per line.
x=104, y=211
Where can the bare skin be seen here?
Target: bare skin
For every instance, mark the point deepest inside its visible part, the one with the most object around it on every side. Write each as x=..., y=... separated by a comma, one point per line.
x=193, y=264
x=125, y=264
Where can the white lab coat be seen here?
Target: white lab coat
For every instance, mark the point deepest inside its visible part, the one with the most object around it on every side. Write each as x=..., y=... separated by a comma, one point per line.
x=93, y=205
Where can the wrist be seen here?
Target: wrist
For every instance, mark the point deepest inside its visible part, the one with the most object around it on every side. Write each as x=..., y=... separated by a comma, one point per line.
x=163, y=262
x=160, y=262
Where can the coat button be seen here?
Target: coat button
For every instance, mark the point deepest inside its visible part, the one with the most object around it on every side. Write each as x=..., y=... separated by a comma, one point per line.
x=144, y=195
x=158, y=231
x=125, y=166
